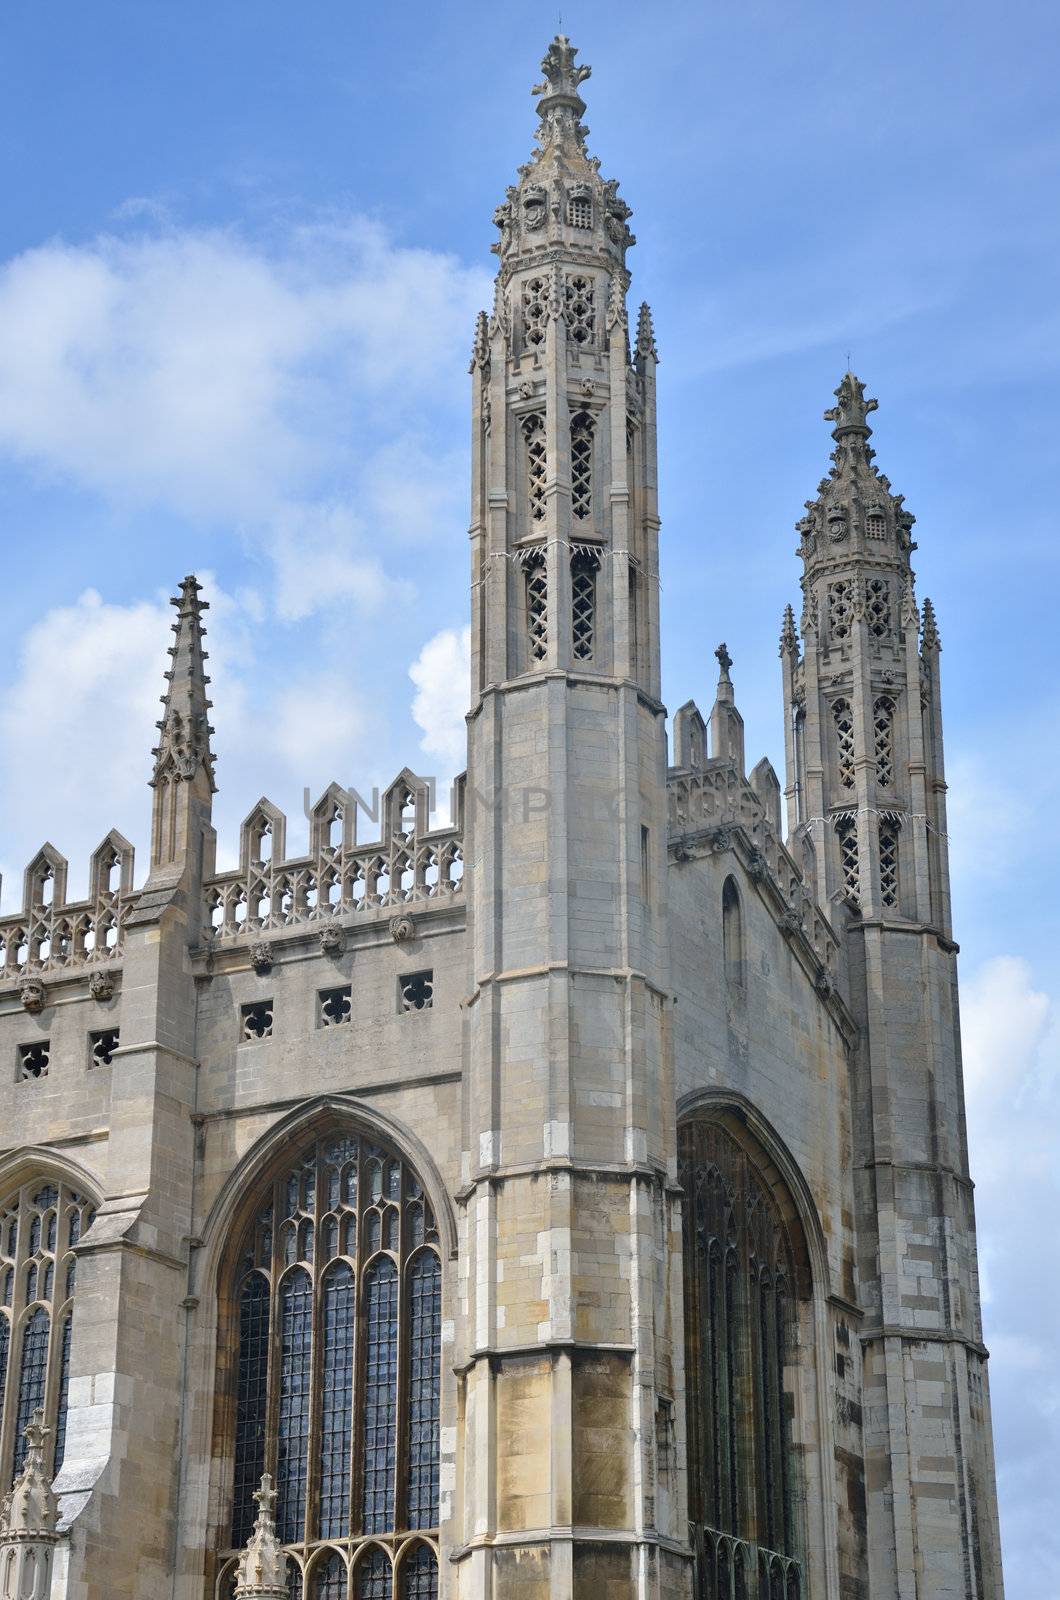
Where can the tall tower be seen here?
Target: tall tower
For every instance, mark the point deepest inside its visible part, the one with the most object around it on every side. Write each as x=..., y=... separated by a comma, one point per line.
x=865, y=780
x=570, y=1408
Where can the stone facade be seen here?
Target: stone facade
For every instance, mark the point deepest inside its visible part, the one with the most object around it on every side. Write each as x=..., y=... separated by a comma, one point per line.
x=571, y=1200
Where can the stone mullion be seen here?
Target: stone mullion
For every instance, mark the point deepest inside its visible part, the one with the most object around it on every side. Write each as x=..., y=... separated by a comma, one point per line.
x=401, y=1408
x=818, y=795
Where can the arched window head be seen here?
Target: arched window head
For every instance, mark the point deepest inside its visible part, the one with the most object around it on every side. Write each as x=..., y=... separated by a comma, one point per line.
x=732, y=935
x=40, y=1224
x=745, y=1273
x=333, y=1296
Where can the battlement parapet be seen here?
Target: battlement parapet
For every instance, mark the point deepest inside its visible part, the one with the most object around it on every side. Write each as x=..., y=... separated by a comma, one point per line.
x=410, y=863
x=53, y=935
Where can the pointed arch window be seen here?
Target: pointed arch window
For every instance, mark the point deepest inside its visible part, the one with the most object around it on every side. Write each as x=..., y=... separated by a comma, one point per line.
x=732, y=934
x=581, y=464
x=846, y=828
x=39, y=1227
x=535, y=578
x=745, y=1273
x=889, y=861
x=536, y=463
x=585, y=563
x=333, y=1297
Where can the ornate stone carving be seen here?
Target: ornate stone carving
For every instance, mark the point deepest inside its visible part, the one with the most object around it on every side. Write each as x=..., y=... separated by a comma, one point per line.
x=332, y=940
x=402, y=929
x=756, y=866
x=823, y=983
x=101, y=985
x=851, y=409
x=28, y=1515
x=262, y=1570
x=261, y=956
x=791, y=920
x=721, y=840
x=33, y=995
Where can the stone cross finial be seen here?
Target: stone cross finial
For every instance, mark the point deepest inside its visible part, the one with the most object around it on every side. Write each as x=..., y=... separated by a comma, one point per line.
x=852, y=408
x=262, y=1570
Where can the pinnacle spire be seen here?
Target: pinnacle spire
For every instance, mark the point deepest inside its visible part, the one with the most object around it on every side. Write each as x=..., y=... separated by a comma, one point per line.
x=930, y=635
x=789, y=638
x=185, y=730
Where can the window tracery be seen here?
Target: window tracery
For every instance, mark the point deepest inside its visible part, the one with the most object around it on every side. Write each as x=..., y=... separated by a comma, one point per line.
x=878, y=607
x=584, y=566
x=336, y=1295
x=743, y=1277
x=840, y=608
x=535, y=576
x=843, y=718
x=534, y=434
x=847, y=832
x=535, y=312
x=39, y=1227
x=579, y=310
x=883, y=732
x=581, y=464
x=888, y=862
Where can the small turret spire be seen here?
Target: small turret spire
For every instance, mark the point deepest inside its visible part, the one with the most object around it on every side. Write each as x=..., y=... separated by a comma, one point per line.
x=184, y=745
x=789, y=638
x=262, y=1570
x=726, y=723
x=930, y=634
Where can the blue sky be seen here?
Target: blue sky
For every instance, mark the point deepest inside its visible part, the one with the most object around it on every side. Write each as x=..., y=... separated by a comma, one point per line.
x=241, y=250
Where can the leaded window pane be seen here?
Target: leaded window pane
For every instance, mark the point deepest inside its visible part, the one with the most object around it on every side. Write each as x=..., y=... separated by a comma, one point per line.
x=425, y=1312
x=296, y=1323
x=329, y=1579
x=337, y=1403
x=64, y=1392
x=33, y=1375
x=740, y=1266
x=380, y=1395
x=372, y=1581
x=419, y=1575
x=251, y=1402
x=340, y=1357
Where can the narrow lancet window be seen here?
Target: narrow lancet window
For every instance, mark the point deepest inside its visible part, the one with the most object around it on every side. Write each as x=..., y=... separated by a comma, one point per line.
x=883, y=731
x=889, y=862
x=581, y=465
x=536, y=464
x=849, y=865
x=535, y=574
x=584, y=565
x=732, y=934
x=843, y=718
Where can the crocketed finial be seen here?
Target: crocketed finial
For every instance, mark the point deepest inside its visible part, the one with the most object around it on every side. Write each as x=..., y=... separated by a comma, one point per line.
x=185, y=730
x=852, y=408
x=789, y=638
x=724, y=663
x=560, y=106
x=646, y=332
x=30, y=1510
x=930, y=632
x=262, y=1570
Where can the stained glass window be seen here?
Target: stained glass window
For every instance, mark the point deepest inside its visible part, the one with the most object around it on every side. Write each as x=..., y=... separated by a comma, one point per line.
x=743, y=1276
x=372, y=1581
x=250, y=1402
x=419, y=1575
x=337, y=1402
x=329, y=1579
x=425, y=1309
x=296, y=1324
x=39, y=1225
x=335, y=1300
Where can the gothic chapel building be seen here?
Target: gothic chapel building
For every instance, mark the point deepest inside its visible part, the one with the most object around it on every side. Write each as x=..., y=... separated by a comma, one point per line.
x=571, y=1201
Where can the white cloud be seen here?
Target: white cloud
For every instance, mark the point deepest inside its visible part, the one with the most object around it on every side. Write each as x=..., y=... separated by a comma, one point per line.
x=441, y=673
x=272, y=386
